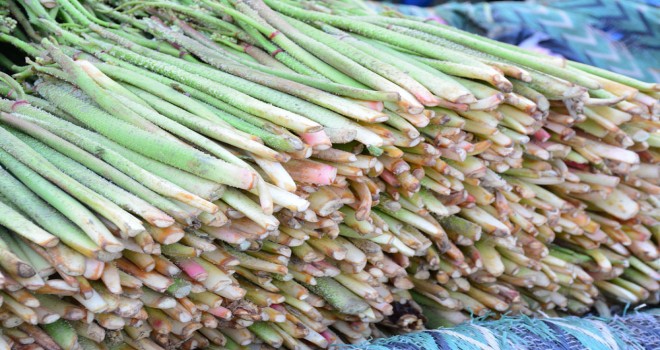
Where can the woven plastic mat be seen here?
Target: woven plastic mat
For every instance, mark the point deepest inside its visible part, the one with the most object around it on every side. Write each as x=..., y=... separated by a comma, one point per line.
x=637, y=331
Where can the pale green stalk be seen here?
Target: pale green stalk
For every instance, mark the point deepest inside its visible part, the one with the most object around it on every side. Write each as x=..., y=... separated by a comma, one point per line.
x=118, y=157
x=116, y=194
x=166, y=150
x=45, y=215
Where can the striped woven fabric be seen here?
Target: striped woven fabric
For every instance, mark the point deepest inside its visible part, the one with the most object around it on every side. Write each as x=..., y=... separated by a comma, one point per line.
x=638, y=331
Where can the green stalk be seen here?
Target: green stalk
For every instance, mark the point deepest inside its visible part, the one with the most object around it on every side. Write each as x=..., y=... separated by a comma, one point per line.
x=13, y=86
x=74, y=12
x=62, y=333
x=439, y=83
x=116, y=194
x=399, y=123
x=338, y=296
x=180, y=130
x=183, y=74
x=108, y=84
x=551, y=87
x=375, y=32
x=114, y=155
x=64, y=203
x=109, y=103
x=302, y=91
x=284, y=101
x=556, y=61
x=119, y=17
x=271, y=134
x=159, y=46
x=416, y=221
x=300, y=75
x=20, y=44
x=264, y=331
x=481, y=58
x=375, y=64
x=209, y=129
x=254, y=20
x=279, y=55
x=22, y=152
x=603, y=73
x=220, y=111
x=161, y=90
x=455, y=225
x=517, y=56
x=238, y=167
x=98, y=166
x=541, y=101
x=8, y=64
x=39, y=103
x=91, y=16
x=12, y=240
x=327, y=118
x=462, y=70
x=334, y=58
x=16, y=222
x=489, y=223
x=45, y=215
x=66, y=259
x=168, y=151
x=200, y=16
x=18, y=15
x=334, y=88
x=245, y=205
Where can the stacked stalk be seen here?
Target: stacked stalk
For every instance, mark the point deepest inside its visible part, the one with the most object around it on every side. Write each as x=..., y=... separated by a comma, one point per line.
x=303, y=174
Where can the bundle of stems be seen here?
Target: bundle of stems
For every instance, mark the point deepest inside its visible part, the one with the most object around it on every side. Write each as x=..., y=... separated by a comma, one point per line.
x=227, y=174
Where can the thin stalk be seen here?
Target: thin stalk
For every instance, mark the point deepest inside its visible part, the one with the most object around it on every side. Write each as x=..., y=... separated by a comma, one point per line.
x=170, y=152
x=382, y=68
x=98, y=166
x=126, y=222
x=375, y=32
x=245, y=205
x=64, y=203
x=201, y=16
x=318, y=97
x=222, y=92
x=207, y=128
x=163, y=91
x=517, y=56
x=643, y=86
x=292, y=46
x=336, y=59
x=45, y=215
x=16, y=222
x=271, y=134
x=440, y=84
x=295, y=122
x=124, y=199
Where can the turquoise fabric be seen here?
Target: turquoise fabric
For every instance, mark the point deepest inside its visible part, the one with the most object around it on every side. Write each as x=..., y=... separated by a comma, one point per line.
x=638, y=331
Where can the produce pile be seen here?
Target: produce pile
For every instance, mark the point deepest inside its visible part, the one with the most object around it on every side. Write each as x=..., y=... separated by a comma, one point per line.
x=234, y=173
